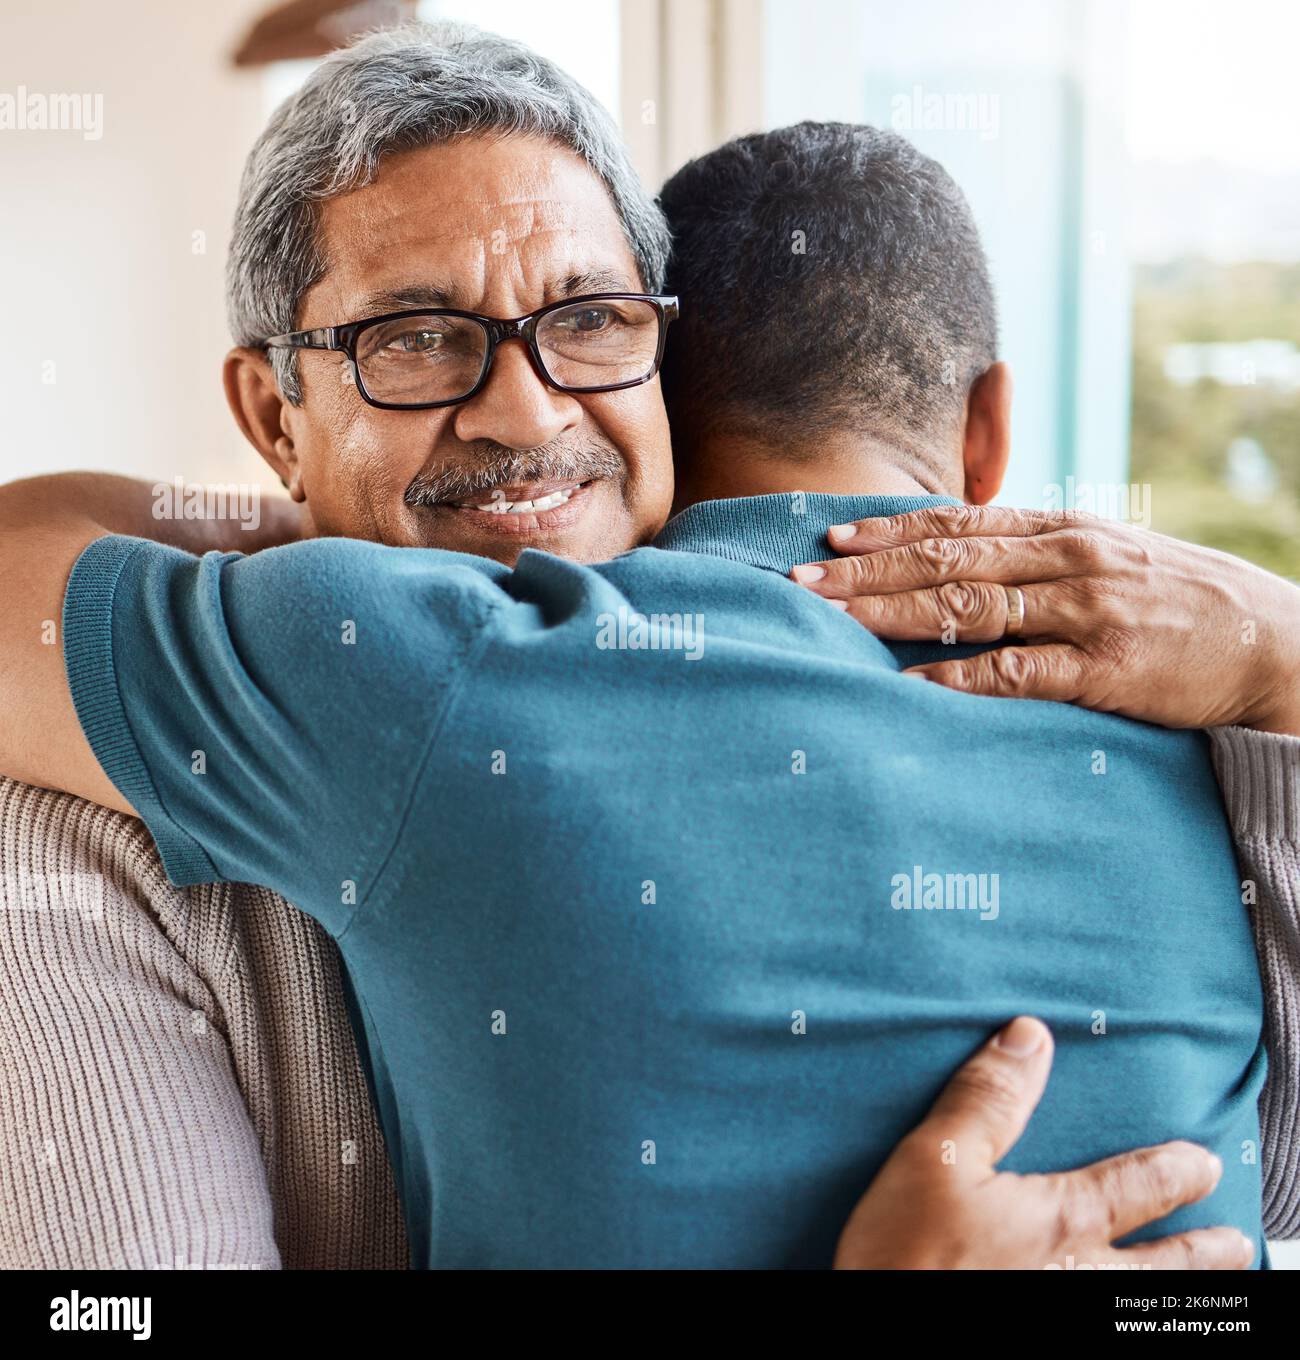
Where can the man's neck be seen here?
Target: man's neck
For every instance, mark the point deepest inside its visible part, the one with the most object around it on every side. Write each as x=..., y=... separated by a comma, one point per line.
x=839, y=463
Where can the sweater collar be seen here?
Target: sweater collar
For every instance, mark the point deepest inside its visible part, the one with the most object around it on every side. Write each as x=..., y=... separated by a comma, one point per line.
x=778, y=532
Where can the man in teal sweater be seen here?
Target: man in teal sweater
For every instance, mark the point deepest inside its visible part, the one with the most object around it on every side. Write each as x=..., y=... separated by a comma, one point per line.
x=668, y=901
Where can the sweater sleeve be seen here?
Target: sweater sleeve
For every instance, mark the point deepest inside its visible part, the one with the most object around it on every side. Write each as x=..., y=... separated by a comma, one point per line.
x=1260, y=776
x=124, y=1138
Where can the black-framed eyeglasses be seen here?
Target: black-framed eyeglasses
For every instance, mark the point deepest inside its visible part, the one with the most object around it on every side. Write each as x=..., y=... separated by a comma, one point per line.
x=411, y=361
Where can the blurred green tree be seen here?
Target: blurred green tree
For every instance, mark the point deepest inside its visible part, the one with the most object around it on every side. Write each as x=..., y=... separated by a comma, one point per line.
x=1181, y=434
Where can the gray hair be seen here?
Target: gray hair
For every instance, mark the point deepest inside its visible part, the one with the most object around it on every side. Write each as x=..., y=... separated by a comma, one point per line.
x=397, y=90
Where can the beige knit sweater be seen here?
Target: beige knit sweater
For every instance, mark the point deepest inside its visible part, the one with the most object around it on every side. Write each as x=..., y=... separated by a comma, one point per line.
x=179, y=1084
x=178, y=1080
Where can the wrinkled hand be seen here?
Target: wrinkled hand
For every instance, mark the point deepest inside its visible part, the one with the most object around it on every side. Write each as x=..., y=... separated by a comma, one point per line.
x=1116, y=617
x=927, y=1211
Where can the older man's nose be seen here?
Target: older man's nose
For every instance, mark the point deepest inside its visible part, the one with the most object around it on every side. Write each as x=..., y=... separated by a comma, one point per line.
x=516, y=408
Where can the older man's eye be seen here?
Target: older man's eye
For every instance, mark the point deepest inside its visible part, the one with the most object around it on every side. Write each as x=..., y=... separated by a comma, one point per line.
x=585, y=320
x=416, y=342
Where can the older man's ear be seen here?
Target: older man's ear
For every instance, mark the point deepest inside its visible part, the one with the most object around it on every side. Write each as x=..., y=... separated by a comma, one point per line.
x=986, y=446
x=258, y=406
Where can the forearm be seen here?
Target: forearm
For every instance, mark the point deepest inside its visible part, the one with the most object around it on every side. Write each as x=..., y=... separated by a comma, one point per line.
x=46, y=523
x=245, y=522
x=1260, y=776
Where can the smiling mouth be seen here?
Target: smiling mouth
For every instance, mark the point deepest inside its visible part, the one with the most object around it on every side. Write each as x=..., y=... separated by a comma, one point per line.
x=532, y=499
x=523, y=509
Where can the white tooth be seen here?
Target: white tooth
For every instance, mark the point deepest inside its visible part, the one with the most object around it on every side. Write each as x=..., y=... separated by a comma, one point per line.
x=548, y=502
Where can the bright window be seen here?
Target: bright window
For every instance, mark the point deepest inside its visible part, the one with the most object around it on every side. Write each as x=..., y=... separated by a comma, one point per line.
x=1213, y=118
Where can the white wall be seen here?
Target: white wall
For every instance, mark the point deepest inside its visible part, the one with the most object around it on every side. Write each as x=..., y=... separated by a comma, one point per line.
x=98, y=272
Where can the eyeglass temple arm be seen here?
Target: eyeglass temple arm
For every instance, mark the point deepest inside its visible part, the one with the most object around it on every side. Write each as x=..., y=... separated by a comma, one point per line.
x=325, y=338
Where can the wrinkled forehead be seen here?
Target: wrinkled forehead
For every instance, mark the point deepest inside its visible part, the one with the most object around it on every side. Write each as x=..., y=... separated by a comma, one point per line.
x=500, y=225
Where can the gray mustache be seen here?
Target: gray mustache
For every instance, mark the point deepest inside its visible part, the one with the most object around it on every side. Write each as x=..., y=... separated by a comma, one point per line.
x=507, y=467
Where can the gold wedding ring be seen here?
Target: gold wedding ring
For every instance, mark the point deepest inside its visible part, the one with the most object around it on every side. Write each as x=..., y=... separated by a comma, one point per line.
x=1015, y=611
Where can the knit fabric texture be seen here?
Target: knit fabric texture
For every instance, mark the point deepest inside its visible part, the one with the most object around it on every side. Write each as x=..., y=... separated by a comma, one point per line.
x=179, y=1084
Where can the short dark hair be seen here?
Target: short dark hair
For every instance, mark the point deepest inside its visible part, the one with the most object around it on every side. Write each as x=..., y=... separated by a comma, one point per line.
x=830, y=276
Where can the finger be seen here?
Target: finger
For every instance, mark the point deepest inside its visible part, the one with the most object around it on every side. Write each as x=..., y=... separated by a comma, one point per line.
x=949, y=521
x=1124, y=1193
x=1203, y=1249
x=987, y=1102
x=932, y=561
x=1051, y=671
x=960, y=611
